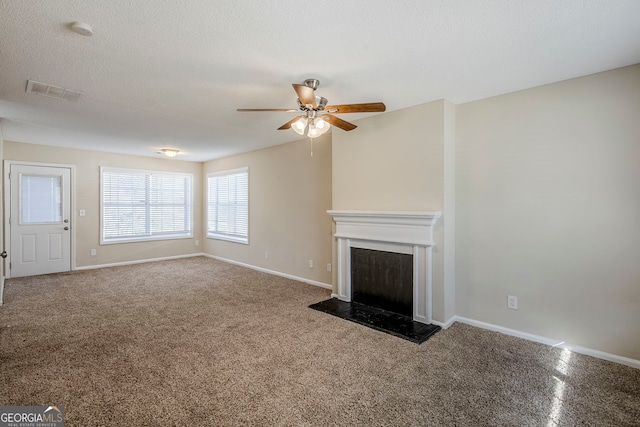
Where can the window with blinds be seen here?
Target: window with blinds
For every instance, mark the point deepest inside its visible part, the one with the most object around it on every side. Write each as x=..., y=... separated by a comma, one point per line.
x=145, y=205
x=228, y=205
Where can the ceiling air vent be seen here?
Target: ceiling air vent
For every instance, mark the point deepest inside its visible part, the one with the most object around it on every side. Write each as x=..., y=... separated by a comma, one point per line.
x=52, y=91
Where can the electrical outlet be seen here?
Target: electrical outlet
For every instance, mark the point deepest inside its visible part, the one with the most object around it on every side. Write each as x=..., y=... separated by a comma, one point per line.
x=93, y=252
x=512, y=302
x=329, y=267
x=310, y=263
x=266, y=255
x=197, y=242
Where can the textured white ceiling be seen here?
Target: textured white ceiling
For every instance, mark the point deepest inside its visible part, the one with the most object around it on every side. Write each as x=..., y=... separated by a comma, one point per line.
x=171, y=73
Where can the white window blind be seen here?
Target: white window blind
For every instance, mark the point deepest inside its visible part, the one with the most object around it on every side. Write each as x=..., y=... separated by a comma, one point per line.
x=143, y=205
x=228, y=205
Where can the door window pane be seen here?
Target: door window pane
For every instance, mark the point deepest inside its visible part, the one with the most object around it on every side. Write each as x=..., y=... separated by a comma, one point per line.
x=40, y=199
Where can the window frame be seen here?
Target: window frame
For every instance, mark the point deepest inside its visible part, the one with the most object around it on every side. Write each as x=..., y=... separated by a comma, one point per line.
x=223, y=236
x=169, y=236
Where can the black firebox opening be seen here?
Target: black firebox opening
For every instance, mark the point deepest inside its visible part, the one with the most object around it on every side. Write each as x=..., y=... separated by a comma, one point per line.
x=382, y=279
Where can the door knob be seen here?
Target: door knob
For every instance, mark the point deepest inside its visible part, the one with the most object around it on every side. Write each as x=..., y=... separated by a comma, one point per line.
x=3, y=254
x=66, y=221
x=66, y=228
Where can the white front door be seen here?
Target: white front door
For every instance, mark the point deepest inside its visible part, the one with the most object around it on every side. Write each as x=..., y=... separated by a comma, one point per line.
x=40, y=220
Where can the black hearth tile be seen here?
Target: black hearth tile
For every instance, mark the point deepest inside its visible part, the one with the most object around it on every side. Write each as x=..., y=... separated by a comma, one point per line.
x=379, y=319
x=334, y=306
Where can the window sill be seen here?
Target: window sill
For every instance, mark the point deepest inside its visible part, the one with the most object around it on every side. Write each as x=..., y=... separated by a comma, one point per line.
x=243, y=240
x=145, y=239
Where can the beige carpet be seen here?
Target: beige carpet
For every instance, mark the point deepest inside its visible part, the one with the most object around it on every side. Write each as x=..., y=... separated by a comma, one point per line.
x=198, y=342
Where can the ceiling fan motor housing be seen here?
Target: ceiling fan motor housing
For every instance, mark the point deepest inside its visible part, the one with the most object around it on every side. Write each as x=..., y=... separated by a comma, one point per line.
x=312, y=83
x=321, y=102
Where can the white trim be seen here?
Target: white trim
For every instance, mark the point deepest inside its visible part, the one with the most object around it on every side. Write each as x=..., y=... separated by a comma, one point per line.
x=404, y=227
x=149, y=171
x=140, y=261
x=227, y=237
x=133, y=239
x=393, y=231
x=229, y=171
x=119, y=241
x=550, y=342
x=275, y=273
x=445, y=325
x=221, y=236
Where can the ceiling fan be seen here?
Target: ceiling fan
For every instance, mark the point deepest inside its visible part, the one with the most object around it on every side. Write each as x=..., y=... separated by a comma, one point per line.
x=317, y=115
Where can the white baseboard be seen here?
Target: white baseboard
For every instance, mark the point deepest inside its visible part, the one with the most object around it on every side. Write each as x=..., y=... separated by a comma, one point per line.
x=446, y=324
x=141, y=261
x=550, y=342
x=253, y=267
x=484, y=325
x=275, y=273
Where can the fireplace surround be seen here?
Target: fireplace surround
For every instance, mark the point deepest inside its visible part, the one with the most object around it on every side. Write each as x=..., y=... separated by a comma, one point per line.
x=382, y=279
x=390, y=231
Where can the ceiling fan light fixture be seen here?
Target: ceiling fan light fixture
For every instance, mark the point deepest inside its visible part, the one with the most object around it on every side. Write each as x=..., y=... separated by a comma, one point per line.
x=299, y=125
x=317, y=127
x=321, y=125
x=313, y=131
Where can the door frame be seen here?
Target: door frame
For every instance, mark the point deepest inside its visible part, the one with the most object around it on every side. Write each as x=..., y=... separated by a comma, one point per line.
x=7, y=207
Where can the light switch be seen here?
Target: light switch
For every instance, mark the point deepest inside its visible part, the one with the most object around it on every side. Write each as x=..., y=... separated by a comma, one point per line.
x=82, y=212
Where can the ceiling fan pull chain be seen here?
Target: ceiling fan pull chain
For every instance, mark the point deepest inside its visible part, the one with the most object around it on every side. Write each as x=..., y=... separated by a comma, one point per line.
x=311, y=144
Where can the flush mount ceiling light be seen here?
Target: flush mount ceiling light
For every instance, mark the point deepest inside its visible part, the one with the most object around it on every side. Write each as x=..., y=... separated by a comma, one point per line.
x=317, y=116
x=169, y=152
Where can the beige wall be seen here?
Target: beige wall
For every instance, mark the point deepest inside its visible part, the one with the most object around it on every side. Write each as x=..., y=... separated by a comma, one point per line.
x=544, y=186
x=392, y=161
x=396, y=162
x=543, y=183
x=289, y=195
x=87, y=165
x=548, y=210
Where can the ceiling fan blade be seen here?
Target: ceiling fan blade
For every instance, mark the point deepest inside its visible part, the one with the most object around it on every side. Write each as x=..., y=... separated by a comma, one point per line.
x=338, y=122
x=287, y=110
x=306, y=94
x=288, y=124
x=371, y=107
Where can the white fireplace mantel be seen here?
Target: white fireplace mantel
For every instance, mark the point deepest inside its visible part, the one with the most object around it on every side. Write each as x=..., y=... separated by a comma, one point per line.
x=386, y=226
x=392, y=231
